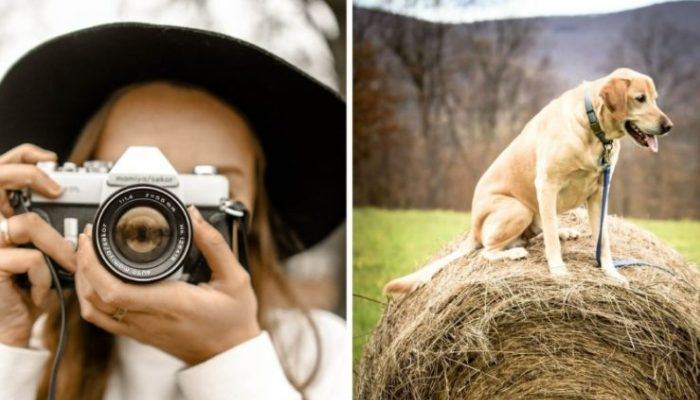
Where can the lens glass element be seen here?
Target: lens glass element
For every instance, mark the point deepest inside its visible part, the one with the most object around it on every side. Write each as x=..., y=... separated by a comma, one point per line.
x=142, y=234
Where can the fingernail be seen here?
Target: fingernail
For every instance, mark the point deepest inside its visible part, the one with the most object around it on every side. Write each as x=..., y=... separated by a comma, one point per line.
x=55, y=187
x=84, y=237
x=88, y=230
x=50, y=154
x=196, y=214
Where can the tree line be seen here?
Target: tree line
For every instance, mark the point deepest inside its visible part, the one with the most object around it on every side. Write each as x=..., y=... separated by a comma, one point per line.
x=434, y=104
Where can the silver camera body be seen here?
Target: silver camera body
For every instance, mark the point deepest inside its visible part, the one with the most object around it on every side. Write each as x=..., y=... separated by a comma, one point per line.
x=95, y=181
x=141, y=229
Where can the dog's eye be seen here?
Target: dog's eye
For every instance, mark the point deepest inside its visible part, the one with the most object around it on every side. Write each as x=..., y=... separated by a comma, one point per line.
x=641, y=98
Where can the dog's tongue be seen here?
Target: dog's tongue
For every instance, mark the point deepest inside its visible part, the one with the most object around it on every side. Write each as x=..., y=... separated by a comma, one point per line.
x=652, y=142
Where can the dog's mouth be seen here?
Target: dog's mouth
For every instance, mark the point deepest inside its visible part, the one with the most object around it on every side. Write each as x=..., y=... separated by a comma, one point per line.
x=642, y=138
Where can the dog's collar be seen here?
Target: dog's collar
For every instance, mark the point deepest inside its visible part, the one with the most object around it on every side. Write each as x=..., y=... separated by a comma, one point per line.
x=598, y=131
x=593, y=121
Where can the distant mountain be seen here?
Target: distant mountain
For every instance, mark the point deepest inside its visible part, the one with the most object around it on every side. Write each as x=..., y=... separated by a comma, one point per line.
x=579, y=47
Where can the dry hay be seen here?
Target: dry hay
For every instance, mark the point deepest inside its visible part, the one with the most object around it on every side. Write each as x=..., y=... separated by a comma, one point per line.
x=507, y=330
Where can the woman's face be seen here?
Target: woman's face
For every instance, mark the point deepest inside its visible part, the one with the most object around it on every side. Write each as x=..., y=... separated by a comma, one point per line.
x=189, y=126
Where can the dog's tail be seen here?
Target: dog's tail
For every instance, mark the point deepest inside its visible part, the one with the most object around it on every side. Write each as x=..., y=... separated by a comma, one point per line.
x=411, y=282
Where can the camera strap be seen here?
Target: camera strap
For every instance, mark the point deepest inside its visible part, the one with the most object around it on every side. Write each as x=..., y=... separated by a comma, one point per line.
x=240, y=228
x=240, y=243
x=19, y=201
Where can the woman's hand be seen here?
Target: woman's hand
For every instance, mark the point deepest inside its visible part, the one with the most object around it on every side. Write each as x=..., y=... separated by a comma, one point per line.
x=193, y=323
x=19, y=308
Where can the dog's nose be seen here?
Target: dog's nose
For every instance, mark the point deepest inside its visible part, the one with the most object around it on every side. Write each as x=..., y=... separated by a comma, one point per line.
x=666, y=125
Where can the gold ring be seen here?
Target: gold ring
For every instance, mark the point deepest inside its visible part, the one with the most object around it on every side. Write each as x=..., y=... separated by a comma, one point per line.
x=5, y=232
x=119, y=314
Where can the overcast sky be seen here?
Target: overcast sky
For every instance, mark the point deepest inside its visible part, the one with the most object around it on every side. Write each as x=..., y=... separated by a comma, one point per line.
x=456, y=11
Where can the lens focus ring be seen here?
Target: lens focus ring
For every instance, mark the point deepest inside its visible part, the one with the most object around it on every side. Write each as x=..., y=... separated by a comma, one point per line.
x=142, y=233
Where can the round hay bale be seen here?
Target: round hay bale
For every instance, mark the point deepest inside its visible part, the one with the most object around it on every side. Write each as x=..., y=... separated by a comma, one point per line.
x=508, y=330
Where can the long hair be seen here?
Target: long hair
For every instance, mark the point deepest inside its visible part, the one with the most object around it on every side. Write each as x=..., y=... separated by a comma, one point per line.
x=90, y=355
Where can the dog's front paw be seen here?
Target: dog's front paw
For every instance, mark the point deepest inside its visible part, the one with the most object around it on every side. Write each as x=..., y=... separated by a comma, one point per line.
x=558, y=270
x=517, y=253
x=616, y=275
x=569, y=233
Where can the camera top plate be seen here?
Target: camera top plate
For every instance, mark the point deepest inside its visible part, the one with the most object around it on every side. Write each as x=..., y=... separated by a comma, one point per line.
x=95, y=181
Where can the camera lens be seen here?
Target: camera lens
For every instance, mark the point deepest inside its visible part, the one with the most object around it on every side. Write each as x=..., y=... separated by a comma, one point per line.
x=142, y=233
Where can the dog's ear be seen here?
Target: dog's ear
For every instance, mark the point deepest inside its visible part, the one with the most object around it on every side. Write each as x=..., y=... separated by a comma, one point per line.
x=614, y=94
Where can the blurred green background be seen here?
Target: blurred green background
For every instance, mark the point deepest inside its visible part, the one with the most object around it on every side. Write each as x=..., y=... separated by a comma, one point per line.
x=391, y=243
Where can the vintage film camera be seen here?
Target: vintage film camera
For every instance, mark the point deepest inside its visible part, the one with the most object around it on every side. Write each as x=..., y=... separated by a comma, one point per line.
x=141, y=229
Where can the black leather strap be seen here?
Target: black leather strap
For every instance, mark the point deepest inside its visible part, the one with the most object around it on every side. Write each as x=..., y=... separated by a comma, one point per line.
x=598, y=131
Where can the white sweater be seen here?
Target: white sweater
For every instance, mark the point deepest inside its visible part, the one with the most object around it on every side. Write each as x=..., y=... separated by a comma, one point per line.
x=251, y=370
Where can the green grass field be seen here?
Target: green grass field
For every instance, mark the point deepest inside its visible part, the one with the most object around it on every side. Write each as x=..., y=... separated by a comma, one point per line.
x=388, y=244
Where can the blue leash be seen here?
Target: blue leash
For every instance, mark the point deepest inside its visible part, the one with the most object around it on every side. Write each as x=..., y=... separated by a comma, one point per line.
x=624, y=263
x=605, y=163
x=606, y=189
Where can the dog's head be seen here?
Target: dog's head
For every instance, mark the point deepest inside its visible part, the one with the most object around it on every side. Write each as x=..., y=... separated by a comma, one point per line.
x=630, y=98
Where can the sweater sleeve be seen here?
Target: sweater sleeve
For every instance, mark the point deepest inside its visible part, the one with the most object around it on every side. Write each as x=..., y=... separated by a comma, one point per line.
x=20, y=371
x=333, y=380
x=248, y=371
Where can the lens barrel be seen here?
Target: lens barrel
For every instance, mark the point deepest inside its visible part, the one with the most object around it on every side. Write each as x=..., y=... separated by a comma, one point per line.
x=142, y=233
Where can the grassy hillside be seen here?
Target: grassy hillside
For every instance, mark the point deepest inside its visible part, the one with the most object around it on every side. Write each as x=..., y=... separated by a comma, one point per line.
x=388, y=244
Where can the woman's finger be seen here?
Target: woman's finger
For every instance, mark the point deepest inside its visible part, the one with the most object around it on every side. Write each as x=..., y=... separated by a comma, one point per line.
x=15, y=261
x=20, y=176
x=220, y=258
x=93, y=277
x=105, y=321
x=83, y=288
x=5, y=207
x=86, y=292
x=27, y=154
x=95, y=307
x=155, y=297
x=31, y=228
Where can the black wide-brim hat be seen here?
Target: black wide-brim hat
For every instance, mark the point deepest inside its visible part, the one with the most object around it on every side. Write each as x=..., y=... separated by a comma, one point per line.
x=49, y=94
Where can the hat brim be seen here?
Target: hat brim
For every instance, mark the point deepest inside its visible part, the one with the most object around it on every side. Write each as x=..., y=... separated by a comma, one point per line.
x=48, y=95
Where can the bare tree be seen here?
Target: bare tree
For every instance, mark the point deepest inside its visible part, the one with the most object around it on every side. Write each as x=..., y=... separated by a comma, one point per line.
x=493, y=86
x=377, y=180
x=418, y=47
x=461, y=92
x=496, y=85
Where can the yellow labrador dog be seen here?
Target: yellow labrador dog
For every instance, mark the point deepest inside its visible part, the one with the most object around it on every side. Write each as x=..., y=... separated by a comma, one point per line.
x=551, y=167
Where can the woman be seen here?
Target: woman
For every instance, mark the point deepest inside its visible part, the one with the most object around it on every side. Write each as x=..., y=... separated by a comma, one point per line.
x=176, y=89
